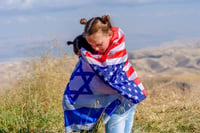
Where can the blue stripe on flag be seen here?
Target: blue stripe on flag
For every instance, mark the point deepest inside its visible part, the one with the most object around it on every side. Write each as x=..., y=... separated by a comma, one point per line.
x=82, y=115
x=112, y=107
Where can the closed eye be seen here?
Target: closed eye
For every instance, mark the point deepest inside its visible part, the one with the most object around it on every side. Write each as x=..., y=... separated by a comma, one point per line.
x=100, y=44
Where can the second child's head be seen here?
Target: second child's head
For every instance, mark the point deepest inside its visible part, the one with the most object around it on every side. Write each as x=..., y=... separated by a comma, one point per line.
x=98, y=32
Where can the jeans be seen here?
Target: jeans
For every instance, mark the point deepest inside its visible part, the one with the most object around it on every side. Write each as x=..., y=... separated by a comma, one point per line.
x=121, y=123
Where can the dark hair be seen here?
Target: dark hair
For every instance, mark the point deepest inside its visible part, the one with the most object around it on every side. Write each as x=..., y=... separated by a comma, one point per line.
x=78, y=43
x=95, y=24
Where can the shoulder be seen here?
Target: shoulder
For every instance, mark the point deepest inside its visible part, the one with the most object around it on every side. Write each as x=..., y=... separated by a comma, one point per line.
x=117, y=33
x=117, y=29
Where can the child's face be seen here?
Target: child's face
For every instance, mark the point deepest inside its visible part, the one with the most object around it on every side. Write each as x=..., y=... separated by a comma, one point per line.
x=99, y=41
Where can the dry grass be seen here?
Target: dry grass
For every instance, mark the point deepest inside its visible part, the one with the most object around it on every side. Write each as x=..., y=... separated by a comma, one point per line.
x=173, y=106
x=33, y=103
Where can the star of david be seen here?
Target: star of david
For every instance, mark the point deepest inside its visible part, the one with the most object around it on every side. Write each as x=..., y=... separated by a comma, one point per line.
x=84, y=89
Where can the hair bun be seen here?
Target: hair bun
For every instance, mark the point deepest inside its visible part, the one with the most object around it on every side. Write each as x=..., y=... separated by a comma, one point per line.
x=105, y=18
x=83, y=21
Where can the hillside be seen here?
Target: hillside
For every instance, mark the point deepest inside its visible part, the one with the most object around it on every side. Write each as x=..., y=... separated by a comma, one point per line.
x=177, y=57
x=36, y=91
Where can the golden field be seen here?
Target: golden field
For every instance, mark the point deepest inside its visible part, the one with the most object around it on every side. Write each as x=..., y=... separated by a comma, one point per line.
x=31, y=95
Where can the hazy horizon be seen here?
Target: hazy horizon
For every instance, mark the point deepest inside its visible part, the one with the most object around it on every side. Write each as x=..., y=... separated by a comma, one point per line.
x=28, y=25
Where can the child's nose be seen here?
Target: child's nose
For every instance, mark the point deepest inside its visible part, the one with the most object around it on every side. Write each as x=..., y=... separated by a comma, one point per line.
x=97, y=48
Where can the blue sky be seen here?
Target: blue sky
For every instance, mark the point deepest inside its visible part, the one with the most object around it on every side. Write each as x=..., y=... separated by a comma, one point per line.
x=31, y=24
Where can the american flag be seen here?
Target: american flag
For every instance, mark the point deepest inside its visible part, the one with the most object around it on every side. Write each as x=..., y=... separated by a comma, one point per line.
x=99, y=85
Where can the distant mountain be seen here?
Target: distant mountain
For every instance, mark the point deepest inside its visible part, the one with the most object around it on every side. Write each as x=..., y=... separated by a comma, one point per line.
x=176, y=57
x=188, y=42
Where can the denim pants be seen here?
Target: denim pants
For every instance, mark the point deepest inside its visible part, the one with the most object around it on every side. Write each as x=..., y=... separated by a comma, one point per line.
x=121, y=123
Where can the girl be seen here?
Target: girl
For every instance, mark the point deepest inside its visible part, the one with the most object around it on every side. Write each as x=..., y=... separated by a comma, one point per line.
x=103, y=84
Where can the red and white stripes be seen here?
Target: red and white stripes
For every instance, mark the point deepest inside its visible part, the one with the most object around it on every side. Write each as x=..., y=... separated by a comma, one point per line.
x=116, y=54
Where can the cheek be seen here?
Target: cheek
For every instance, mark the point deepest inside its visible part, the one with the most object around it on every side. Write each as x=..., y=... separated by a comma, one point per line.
x=106, y=45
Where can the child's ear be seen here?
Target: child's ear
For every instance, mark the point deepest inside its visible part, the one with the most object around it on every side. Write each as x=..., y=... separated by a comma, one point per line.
x=110, y=33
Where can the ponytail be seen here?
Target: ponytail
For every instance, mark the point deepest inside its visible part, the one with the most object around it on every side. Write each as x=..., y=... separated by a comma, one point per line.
x=70, y=43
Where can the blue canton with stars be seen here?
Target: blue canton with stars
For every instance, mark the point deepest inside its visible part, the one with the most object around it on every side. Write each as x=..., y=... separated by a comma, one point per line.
x=114, y=76
x=73, y=93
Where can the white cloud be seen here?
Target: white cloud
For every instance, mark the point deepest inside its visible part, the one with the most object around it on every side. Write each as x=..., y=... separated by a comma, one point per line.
x=15, y=4
x=15, y=19
x=144, y=1
x=31, y=4
x=35, y=4
x=50, y=18
x=135, y=1
x=22, y=19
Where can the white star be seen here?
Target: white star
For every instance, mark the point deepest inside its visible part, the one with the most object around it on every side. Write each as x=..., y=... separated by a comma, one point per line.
x=105, y=79
x=111, y=73
x=136, y=97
